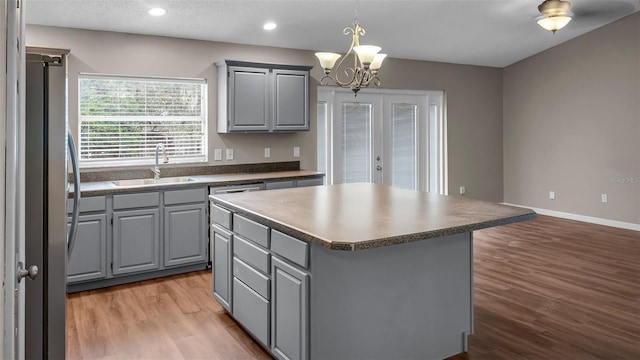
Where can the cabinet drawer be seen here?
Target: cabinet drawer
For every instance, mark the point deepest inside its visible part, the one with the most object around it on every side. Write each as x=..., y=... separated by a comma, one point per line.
x=271, y=185
x=185, y=196
x=290, y=248
x=252, y=311
x=251, y=254
x=220, y=216
x=310, y=182
x=130, y=201
x=88, y=204
x=253, y=278
x=251, y=230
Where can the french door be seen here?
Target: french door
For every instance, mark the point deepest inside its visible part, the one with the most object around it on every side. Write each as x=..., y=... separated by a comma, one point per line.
x=390, y=137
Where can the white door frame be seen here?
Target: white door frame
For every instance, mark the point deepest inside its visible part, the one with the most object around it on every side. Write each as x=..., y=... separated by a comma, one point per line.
x=330, y=95
x=14, y=170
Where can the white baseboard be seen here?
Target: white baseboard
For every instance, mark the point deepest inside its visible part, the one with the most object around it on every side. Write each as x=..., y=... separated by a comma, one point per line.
x=584, y=218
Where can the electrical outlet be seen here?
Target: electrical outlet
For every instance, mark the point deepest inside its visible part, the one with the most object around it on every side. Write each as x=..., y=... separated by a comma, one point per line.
x=605, y=198
x=463, y=190
x=552, y=195
x=267, y=152
x=229, y=154
x=217, y=154
x=296, y=151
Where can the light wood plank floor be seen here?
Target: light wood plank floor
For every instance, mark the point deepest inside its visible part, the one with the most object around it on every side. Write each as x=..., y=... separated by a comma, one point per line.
x=544, y=289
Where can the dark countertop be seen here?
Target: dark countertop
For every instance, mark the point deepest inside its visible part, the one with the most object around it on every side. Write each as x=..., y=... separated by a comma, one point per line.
x=362, y=216
x=107, y=187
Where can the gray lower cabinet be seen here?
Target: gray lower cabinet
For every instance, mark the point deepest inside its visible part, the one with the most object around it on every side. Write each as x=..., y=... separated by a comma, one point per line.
x=185, y=238
x=290, y=311
x=88, y=260
x=221, y=265
x=251, y=310
x=136, y=241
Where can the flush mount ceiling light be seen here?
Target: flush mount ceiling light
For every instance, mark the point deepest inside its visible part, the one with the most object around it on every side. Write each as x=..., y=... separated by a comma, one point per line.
x=554, y=14
x=366, y=62
x=270, y=26
x=158, y=11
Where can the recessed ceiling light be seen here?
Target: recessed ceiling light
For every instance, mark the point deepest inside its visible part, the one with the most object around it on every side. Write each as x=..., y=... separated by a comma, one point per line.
x=157, y=11
x=270, y=26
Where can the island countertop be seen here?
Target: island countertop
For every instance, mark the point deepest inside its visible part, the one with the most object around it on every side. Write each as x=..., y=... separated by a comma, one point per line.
x=363, y=215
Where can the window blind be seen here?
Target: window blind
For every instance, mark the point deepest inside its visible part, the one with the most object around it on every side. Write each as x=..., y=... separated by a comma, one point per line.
x=122, y=119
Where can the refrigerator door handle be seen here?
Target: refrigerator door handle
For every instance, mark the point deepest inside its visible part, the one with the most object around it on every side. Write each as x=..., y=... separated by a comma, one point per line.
x=71, y=236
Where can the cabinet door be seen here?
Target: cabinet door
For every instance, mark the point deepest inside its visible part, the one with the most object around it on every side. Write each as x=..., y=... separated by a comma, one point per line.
x=248, y=98
x=289, y=312
x=88, y=260
x=290, y=100
x=221, y=265
x=185, y=240
x=136, y=241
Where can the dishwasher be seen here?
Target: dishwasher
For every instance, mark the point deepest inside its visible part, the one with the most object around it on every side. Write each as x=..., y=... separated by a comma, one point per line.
x=230, y=189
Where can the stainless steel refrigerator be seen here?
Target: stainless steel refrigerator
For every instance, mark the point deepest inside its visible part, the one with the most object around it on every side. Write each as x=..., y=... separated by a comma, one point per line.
x=47, y=240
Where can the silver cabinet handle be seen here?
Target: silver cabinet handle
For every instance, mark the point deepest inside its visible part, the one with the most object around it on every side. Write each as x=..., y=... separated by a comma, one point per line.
x=31, y=272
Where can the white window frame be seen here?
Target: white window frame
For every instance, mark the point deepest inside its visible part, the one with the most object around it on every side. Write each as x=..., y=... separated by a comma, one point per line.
x=148, y=159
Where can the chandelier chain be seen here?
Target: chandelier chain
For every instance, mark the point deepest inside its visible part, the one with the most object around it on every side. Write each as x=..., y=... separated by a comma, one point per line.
x=355, y=19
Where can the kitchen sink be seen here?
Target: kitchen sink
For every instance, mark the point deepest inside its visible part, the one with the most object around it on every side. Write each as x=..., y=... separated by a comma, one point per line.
x=138, y=182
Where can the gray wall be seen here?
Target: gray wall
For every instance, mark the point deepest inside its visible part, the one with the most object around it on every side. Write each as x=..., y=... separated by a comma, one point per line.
x=118, y=53
x=572, y=125
x=473, y=96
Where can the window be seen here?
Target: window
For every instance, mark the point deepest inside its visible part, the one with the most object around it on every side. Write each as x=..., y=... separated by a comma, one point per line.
x=122, y=119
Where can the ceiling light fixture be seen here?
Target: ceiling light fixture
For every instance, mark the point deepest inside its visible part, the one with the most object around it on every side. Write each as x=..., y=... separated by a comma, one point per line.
x=554, y=14
x=157, y=11
x=270, y=26
x=366, y=62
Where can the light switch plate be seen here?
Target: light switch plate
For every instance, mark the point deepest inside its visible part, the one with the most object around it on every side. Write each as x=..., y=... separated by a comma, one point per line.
x=267, y=152
x=552, y=195
x=229, y=154
x=217, y=154
x=605, y=198
x=296, y=151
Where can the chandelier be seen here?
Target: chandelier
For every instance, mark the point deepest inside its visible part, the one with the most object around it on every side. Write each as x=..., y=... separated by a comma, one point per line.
x=554, y=14
x=366, y=62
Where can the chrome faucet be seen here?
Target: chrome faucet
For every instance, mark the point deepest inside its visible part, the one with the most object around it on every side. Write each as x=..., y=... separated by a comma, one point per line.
x=165, y=159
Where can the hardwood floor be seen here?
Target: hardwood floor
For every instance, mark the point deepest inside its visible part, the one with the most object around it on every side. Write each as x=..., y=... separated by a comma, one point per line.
x=544, y=289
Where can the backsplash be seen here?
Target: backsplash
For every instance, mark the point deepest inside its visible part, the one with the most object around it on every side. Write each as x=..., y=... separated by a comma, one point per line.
x=109, y=175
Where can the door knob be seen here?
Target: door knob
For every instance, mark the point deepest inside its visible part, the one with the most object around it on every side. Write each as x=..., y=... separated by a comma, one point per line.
x=31, y=272
x=379, y=168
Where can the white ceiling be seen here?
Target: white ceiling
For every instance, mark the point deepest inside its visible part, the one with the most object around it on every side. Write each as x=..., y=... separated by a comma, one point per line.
x=478, y=32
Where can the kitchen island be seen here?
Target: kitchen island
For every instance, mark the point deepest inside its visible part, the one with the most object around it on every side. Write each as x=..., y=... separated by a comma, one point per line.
x=351, y=271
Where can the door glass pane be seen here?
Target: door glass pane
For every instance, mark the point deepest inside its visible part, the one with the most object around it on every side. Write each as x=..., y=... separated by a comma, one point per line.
x=434, y=153
x=403, y=145
x=322, y=136
x=356, y=142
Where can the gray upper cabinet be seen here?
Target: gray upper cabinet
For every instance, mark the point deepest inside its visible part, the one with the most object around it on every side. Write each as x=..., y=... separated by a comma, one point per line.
x=258, y=97
x=248, y=99
x=291, y=100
